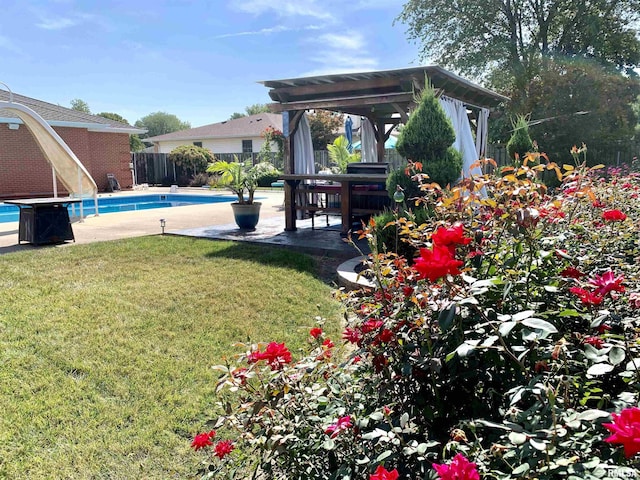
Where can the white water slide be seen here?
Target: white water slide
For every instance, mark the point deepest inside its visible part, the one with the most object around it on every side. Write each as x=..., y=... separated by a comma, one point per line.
x=64, y=163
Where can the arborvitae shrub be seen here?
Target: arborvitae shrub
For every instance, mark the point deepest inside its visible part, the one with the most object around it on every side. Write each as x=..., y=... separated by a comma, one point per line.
x=428, y=132
x=445, y=170
x=427, y=138
x=520, y=142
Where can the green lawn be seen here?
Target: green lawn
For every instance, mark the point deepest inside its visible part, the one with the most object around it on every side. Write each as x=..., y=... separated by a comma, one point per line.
x=106, y=348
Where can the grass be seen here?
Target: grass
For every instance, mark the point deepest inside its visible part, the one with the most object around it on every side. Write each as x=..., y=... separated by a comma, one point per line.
x=106, y=348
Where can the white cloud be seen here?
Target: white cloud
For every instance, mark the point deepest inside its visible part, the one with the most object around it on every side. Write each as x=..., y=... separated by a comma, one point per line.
x=48, y=22
x=341, y=53
x=7, y=44
x=285, y=8
x=345, y=41
x=268, y=31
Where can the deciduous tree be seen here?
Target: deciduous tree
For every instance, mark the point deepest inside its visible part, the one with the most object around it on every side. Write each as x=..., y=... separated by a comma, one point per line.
x=513, y=36
x=323, y=126
x=159, y=123
x=80, y=105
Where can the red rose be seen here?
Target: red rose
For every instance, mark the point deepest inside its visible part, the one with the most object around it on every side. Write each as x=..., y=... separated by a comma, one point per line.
x=626, y=430
x=459, y=469
x=203, y=440
x=437, y=263
x=450, y=237
x=613, y=215
x=315, y=332
x=571, y=272
x=276, y=355
x=607, y=282
x=594, y=341
x=382, y=474
x=586, y=297
x=223, y=448
x=343, y=423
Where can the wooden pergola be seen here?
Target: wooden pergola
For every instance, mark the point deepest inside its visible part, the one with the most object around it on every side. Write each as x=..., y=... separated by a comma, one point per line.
x=385, y=97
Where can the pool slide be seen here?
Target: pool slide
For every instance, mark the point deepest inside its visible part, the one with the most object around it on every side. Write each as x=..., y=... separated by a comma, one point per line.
x=66, y=166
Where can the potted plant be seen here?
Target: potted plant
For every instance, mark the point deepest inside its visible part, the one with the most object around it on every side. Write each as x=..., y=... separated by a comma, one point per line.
x=242, y=181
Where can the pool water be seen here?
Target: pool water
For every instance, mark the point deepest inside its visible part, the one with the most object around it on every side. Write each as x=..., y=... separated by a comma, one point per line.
x=126, y=203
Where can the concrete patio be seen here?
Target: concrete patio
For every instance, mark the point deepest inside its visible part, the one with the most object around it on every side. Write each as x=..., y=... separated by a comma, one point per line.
x=208, y=221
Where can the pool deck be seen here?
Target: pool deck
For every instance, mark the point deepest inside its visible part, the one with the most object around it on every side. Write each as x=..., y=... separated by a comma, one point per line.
x=209, y=221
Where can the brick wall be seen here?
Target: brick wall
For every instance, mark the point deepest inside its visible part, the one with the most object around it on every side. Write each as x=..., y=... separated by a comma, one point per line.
x=24, y=172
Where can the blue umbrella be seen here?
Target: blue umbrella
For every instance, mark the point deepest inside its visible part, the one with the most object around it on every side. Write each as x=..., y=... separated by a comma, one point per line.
x=348, y=130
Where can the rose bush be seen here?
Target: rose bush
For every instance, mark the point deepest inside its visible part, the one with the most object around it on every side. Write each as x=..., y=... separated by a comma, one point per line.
x=508, y=349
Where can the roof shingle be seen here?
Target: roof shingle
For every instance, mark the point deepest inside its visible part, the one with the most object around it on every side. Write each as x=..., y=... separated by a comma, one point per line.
x=56, y=113
x=251, y=126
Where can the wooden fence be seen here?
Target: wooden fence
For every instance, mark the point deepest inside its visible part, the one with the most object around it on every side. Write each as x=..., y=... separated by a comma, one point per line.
x=156, y=169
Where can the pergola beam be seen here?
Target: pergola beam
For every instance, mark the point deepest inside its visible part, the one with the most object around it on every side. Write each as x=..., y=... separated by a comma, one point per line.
x=343, y=102
x=284, y=94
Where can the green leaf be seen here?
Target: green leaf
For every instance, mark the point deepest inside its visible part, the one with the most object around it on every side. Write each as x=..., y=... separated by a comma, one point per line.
x=599, y=369
x=617, y=355
x=404, y=419
x=445, y=319
x=383, y=455
x=569, y=313
x=592, y=414
x=376, y=416
x=464, y=350
x=517, y=438
x=633, y=365
x=522, y=315
x=537, y=444
x=505, y=328
x=593, y=354
x=520, y=469
x=539, y=324
x=329, y=444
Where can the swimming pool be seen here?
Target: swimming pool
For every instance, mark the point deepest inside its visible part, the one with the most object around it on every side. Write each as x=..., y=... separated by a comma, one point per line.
x=127, y=203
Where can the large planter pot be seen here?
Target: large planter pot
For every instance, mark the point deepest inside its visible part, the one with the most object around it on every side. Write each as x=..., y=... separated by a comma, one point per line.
x=246, y=215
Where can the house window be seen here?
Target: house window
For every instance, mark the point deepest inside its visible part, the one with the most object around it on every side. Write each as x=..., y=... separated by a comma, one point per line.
x=197, y=144
x=247, y=146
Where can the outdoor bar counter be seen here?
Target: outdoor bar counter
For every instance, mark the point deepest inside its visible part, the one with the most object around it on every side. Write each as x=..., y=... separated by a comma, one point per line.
x=344, y=186
x=44, y=220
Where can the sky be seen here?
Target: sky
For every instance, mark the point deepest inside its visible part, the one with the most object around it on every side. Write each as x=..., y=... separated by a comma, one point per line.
x=197, y=59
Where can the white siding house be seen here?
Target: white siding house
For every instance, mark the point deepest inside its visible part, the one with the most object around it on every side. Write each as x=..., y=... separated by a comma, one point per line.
x=240, y=135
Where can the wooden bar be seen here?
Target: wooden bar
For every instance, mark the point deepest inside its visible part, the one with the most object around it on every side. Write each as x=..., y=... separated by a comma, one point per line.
x=296, y=183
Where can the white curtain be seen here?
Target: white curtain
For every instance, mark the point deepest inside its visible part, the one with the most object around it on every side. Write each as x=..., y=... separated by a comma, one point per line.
x=457, y=113
x=482, y=132
x=304, y=163
x=303, y=149
x=368, y=142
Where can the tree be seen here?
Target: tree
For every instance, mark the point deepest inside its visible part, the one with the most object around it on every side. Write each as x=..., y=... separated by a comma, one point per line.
x=135, y=144
x=427, y=138
x=575, y=102
x=159, y=123
x=80, y=105
x=251, y=110
x=520, y=142
x=515, y=37
x=257, y=108
x=114, y=116
x=323, y=125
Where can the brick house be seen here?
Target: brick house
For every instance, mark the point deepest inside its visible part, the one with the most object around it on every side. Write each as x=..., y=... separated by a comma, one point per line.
x=102, y=145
